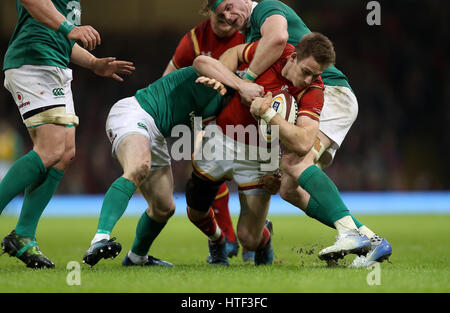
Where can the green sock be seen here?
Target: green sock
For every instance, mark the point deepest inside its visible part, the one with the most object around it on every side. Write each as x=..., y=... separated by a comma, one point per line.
x=25, y=171
x=313, y=210
x=37, y=196
x=115, y=203
x=329, y=206
x=146, y=231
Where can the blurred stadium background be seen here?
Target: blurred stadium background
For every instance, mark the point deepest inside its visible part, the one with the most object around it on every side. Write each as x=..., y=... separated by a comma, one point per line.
x=399, y=143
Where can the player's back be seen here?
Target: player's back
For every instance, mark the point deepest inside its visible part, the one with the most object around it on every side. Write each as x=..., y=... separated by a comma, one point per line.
x=176, y=98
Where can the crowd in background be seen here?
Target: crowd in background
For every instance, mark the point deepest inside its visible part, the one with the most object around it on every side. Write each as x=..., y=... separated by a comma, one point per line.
x=398, y=71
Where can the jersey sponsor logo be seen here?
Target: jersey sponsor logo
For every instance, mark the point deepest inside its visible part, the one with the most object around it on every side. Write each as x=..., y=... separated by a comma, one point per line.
x=58, y=92
x=20, y=101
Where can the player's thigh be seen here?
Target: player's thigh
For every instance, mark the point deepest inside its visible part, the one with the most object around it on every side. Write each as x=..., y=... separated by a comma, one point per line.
x=157, y=189
x=69, y=149
x=134, y=155
x=49, y=142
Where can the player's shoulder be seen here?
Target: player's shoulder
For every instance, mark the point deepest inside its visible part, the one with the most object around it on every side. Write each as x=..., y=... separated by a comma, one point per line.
x=269, y=5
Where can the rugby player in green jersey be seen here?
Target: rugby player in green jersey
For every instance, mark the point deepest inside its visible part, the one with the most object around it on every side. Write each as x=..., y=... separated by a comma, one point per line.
x=137, y=127
x=275, y=24
x=38, y=78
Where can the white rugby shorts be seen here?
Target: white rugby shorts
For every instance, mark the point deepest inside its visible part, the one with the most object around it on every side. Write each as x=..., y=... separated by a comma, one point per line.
x=42, y=94
x=339, y=111
x=127, y=117
x=230, y=160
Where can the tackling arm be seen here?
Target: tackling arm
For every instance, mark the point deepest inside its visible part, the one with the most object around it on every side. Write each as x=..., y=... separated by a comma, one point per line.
x=274, y=38
x=212, y=68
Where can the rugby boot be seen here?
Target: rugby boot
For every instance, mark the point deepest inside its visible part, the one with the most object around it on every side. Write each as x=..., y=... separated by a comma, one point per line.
x=232, y=248
x=351, y=242
x=264, y=255
x=151, y=261
x=26, y=250
x=380, y=250
x=103, y=249
x=218, y=253
x=248, y=256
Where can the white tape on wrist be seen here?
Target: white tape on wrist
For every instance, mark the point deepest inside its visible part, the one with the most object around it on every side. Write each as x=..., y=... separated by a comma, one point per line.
x=269, y=115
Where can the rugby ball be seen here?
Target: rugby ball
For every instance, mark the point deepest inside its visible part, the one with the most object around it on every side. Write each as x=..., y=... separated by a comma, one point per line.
x=284, y=104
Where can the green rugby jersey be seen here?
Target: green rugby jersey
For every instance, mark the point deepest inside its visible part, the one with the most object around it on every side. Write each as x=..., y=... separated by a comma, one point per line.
x=35, y=44
x=176, y=98
x=331, y=76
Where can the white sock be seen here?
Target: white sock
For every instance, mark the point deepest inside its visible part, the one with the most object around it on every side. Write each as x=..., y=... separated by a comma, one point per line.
x=137, y=259
x=99, y=237
x=366, y=231
x=345, y=224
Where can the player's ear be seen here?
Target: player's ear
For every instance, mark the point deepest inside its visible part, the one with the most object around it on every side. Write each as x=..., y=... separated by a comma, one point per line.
x=294, y=57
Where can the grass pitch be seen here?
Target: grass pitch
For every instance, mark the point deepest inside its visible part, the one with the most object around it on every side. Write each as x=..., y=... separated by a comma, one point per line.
x=420, y=260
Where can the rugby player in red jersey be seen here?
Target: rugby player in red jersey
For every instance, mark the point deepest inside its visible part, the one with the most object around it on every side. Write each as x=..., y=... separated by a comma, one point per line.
x=297, y=73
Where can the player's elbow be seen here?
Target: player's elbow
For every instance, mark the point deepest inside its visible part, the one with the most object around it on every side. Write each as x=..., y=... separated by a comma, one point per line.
x=279, y=40
x=200, y=63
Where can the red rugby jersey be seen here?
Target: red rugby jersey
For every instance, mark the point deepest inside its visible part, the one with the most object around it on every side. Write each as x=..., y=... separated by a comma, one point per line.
x=202, y=40
x=309, y=99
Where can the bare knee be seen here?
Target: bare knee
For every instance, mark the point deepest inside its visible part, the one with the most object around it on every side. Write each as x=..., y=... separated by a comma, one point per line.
x=139, y=173
x=162, y=210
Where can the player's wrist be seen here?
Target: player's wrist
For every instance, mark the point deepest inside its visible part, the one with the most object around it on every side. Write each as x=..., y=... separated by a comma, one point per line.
x=268, y=115
x=66, y=28
x=250, y=75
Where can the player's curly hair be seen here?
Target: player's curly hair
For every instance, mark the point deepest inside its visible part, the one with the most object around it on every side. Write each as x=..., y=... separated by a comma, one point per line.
x=319, y=46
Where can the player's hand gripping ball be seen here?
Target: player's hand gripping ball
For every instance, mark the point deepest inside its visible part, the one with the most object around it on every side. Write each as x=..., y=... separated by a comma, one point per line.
x=285, y=105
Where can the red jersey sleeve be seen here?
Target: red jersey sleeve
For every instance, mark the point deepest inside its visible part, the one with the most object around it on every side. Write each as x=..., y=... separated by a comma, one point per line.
x=310, y=102
x=185, y=52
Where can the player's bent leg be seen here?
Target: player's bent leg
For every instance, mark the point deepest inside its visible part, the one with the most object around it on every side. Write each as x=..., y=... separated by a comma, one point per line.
x=48, y=149
x=38, y=195
x=134, y=156
x=200, y=195
x=223, y=218
x=254, y=233
x=155, y=189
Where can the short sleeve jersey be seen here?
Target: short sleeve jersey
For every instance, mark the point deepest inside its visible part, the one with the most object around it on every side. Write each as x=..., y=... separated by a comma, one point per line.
x=296, y=28
x=201, y=40
x=176, y=98
x=309, y=99
x=35, y=44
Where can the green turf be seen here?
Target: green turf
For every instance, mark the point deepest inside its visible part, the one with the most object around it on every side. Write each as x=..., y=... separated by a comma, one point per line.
x=420, y=260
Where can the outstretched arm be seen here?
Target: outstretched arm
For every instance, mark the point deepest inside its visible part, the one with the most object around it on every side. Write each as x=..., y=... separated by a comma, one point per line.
x=105, y=67
x=45, y=12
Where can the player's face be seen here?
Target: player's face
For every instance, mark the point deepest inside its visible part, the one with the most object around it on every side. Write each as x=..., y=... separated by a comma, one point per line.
x=221, y=27
x=302, y=72
x=235, y=12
